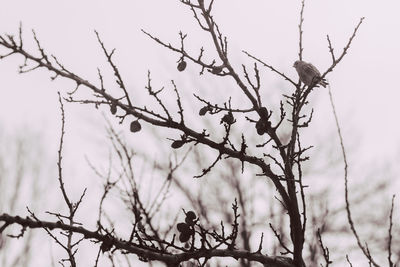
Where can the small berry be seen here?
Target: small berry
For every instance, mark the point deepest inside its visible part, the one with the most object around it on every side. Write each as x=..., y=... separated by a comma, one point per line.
x=184, y=237
x=182, y=65
x=135, y=126
x=203, y=111
x=217, y=70
x=228, y=118
x=191, y=215
x=261, y=127
x=183, y=227
x=113, y=109
x=177, y=144
x=264, y=112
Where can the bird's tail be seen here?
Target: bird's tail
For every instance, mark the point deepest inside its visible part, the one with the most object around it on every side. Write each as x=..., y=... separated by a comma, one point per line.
x=323, y=82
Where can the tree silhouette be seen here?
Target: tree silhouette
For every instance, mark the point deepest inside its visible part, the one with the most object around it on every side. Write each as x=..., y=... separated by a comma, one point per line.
x=278, y=159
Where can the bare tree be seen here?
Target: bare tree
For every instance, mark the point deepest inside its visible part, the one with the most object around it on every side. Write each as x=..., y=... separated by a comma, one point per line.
x=19, y=161
x=278, y=160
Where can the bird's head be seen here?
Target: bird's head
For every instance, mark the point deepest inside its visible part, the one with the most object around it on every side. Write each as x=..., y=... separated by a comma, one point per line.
x=296, y=64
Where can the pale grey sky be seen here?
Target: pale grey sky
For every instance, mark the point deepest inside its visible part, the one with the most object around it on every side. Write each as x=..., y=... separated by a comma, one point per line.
x=266, y=28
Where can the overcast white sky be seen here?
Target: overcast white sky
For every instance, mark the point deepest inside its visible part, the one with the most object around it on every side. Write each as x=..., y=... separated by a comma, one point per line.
x=365, y=84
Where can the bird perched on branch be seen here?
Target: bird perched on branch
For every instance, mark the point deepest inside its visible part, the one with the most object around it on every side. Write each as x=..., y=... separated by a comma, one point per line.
x=308, y=73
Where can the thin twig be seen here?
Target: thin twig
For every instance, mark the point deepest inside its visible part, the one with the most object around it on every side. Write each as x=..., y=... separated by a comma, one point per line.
x=346, y=192
x=270, y=67
x=301, y=31
x=390, y=234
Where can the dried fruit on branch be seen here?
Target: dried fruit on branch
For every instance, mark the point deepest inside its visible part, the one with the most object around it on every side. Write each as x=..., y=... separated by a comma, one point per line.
x=182, y=65
x=135, y=126
x=177, y=144
x=113, y=109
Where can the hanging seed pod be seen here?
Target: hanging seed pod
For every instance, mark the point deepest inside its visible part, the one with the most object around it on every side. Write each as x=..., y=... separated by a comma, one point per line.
x=184, y=237
x=264, y=112
x=177, y=144
x=113, y=108
x=203, y=111
x=183, y=227
x=217, y=70
x=135, y=126
x=182, y=65
x=228, y=118
x=262, y=126
x=190, y=217
x=107, y=245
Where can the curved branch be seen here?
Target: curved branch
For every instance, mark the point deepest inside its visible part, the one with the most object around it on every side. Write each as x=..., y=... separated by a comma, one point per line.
x=346, y=191
x=130, y=247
